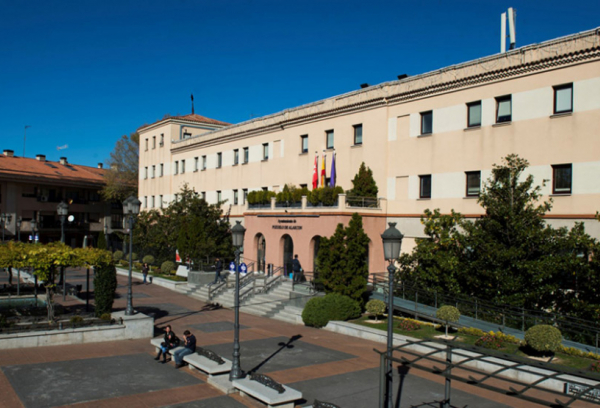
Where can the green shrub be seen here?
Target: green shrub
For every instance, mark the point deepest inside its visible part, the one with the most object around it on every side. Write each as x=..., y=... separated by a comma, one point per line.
x=449, y=314
x=473, y=331
x=124, y=263
x=326, y=196
x=375, y=307
x=149, y=259
x=167, y=267
x=330, y=307
x=260, y=197
x=134, y=256
x=409, y=325
x=75, y=320
x=137, y=265
x=105, y=285
x=117, y=255
x=543, y=338
x=106, y=316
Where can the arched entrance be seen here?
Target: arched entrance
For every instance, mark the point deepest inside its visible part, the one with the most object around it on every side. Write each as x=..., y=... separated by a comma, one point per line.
x=261, y=252
x=288, y=254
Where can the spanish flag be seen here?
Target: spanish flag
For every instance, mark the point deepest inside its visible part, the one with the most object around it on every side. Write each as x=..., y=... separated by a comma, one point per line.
x=315, y=180
x=323, y=171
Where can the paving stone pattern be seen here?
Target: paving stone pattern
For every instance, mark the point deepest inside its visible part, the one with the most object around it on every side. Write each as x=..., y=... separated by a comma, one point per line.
x=219, y=402
x=68, y=382
x=214, y=327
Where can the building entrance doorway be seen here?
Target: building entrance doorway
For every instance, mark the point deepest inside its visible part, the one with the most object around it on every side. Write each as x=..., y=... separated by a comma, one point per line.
x=316, y=245
x=261, y=251
x=288, y=254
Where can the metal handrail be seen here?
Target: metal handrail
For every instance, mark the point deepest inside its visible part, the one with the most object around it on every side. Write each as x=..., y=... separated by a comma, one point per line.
x=271, y=282
x=362, y=202
x=215, y=288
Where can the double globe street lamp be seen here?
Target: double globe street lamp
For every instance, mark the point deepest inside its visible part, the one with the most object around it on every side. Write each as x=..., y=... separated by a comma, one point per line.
x=62, y=209
x=237, y=235
x=392, y=243
x=131, y=208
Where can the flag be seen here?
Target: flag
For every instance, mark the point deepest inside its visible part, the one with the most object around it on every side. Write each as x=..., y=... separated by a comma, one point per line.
x=332, y=177
x=316, y=172
x=323, y=171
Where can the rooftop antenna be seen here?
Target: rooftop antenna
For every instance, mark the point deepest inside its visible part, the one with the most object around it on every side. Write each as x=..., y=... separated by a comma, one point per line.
x=192, y=104
x=25, y=138
x=512, y=21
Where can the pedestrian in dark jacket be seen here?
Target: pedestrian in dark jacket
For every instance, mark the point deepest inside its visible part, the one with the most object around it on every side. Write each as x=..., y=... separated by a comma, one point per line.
x=145, y=270
x=218, y=269
x=189, y=347
x=296, y=268
x=170, y=341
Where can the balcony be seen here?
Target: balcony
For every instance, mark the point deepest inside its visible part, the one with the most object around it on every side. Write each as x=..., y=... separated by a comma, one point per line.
x=343, y=204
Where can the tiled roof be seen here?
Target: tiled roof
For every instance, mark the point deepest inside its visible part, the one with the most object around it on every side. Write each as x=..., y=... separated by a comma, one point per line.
x=26, y=169
x=192, y=117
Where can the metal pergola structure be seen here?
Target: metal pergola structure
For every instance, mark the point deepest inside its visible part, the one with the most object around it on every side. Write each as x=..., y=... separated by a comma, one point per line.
x=457, y=362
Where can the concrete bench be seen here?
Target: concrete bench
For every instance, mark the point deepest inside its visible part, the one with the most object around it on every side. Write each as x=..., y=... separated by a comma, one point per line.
x=268, y=395
x=206, y=365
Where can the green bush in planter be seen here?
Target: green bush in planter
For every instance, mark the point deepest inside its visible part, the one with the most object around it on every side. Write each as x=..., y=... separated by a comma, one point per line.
x=167, y=267
x=375, y=307
x=134, y=257
x=149, y=259
x=330, y=307
x=117, y=255
x=124, y=263
x=105, y=285
x=543, y=338
x=137, y=265
x=449, y=314
x=313, y=314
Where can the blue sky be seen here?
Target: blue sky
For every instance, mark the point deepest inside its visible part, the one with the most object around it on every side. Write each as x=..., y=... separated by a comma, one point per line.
x=83, y=73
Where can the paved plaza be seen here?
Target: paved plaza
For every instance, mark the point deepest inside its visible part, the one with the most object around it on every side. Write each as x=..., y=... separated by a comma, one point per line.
x=322, y=365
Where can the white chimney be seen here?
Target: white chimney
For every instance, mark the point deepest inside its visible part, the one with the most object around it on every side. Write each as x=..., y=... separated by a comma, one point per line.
x=40, y=157
x=100, y=165
x=63, y=161
x=9, y=153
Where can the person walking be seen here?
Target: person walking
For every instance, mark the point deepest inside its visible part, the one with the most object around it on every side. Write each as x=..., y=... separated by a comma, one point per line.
x=218, y=270
x=296, y=268
x=145, y=270
x=189, y=347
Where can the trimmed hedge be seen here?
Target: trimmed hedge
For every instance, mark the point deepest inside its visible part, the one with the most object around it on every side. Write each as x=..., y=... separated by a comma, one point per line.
x=149, y=259
x=543, y=338
x=167, y=267
x=105, y=285
x=319, y=311
x=117, y=255
x=375, y=307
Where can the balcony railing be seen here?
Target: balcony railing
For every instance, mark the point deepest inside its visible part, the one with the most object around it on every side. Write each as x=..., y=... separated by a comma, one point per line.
x=341, y=203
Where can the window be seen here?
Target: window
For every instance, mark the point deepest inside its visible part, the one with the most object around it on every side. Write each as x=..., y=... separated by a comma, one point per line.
x=203, y=195
x=146, y=144
x=145, y=172
x=425, y=186
x=196, y=164
x=426, y=122
x=153, y=171
x=357, y=134
x=304, y=144
x=246, y=154
x=235, y=197
x=162, y=170
x=473, y=183
x=219, y=196
x=160, y=201
x=244, y=195
x=152, y=202
x=265, y=188
x=503, y=109
x=563, y=98
x=203, y=162
x=162, y=140
x=154, y=142
x=265, y=151
x=176, y=197
x=562, y=176
x=474, y=114
x=236, y=157
x=219, y=160
x=176, y=170
x=145, y=201
x=182, y=166
x=329, y=139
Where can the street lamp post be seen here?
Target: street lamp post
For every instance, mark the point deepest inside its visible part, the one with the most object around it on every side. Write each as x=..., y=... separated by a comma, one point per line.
x=392, y=243
x=19, y=223
x=62, y=209
x=131, y=208
x=34, y=233
x=5, y=219
x=237, y=234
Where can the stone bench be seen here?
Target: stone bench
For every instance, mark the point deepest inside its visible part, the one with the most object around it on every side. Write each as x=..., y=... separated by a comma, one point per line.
x=207, y=365
x=283, y=397
x=158, y=340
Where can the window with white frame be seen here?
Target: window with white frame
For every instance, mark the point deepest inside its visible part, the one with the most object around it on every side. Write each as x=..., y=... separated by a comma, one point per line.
x=219, y=160
x=304, y=144
x=329, y=139
x=426, y=122
x=503, y=109
x=145, y=201
x=235, y=197
x=182, y=166
x=152, y=202
x=160, y=201
x=474, y=114
x=244, y=195
x=203, y=162
x=162, y=170
x=425, y=186
x=176, y=168
x=246, y=155
x=153, y=174
x=203, y=195
x=562, y=178
x=265, y=151
x=162, y=140
x=236, y=157
x=196, y=163
x=563, y=98
x=145, y=172
x=473, y=183
x=219, y=197
x=358, y=133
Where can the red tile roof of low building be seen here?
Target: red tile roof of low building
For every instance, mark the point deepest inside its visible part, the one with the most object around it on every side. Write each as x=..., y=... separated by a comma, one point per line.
x=32, y=170
x=192, y=117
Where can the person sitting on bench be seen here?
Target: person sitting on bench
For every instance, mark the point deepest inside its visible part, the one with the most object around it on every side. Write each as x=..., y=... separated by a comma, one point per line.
x=170, y=341
x=189, y=348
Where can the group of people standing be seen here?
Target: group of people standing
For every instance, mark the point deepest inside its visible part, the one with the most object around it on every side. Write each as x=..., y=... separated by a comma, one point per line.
x=171, y=341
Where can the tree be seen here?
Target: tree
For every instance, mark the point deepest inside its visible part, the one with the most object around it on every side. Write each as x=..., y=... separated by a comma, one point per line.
x=342, y=261
x=101, y=241
x=122, y=175
x=363, y=184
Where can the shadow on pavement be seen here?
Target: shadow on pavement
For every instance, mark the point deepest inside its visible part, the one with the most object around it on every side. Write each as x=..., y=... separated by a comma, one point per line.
x=283, y=346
